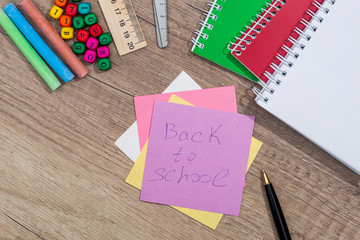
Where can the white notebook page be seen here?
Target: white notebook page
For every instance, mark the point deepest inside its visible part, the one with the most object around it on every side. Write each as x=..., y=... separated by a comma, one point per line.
x=319, y=95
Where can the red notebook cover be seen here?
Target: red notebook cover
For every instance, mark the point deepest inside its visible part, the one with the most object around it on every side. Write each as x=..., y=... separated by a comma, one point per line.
x=263, y=46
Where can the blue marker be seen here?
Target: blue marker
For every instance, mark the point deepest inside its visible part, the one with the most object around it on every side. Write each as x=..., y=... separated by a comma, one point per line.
x=36, y=41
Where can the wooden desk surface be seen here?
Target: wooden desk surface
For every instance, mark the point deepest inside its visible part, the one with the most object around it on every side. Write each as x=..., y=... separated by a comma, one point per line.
x=61, y=176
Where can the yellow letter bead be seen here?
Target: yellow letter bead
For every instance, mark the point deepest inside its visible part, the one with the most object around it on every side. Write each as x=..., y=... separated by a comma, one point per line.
x=67, y=33
x=56, y=12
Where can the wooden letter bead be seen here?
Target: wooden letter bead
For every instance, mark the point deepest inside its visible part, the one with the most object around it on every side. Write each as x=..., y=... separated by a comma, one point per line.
x=92, y=43
x=78, y=22
x=82, y=35
x=71, y=9
x=105, y=39
x=61, y=3
x=91, y=19
x=104, y=64
x=56, y=12
x=67, y=33
x=79, y=48
x=95, y=30
x=90, y=56
x=65, y=21
x=84, y=8
x=103, y=52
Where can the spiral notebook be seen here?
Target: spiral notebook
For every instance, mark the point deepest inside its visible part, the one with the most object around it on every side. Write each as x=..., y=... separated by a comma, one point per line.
x=314, y=86
x=223, y=21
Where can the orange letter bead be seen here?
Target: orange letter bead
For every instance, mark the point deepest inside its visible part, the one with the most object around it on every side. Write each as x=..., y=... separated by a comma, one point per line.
x=65, y=21
x=61, y=3
x=56, y=12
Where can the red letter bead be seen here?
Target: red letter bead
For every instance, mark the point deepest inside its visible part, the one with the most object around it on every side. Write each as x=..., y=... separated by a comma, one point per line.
x=90, y=56
x=92, y=43
x=103, y=52
x=71, y=9
x=96, y=30
x=82, y=35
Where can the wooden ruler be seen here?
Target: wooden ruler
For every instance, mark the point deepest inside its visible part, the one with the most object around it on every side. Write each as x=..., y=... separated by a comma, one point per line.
x=124, y=25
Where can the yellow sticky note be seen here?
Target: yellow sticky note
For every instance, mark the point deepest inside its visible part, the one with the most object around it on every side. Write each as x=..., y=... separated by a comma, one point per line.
x=209, y=219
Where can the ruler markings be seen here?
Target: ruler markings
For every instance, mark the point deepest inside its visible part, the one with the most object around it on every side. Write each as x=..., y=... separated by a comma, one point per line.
x=124, y=25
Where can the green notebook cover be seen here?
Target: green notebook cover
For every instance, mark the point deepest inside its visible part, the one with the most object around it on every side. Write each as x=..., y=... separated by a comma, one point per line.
x=224, y=20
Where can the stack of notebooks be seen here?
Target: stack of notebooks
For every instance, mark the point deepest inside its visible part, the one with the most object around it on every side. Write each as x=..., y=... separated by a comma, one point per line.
x=304, y=55
x=195, y=150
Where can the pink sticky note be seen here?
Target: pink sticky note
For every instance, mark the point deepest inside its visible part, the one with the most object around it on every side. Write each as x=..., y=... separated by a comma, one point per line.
x=222, y=98
x=197, y=158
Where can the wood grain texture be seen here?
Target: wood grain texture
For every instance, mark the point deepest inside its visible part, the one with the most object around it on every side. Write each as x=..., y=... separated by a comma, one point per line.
x=61, y=176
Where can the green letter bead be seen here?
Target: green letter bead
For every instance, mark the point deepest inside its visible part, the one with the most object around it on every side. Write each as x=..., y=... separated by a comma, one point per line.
x=104, y=64
x=91, y=19
x=79, y=48
x=105, y=39
x=78, y=22
x=76, y=0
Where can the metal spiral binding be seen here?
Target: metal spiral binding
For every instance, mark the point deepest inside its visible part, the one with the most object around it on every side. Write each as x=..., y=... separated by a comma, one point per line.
x=211, y=15
x=308, y=25
x=283, y=60
x=306, y=36
x=215, y=5
x=206, y=25
x=266, y=87
x=278, y=69
x=271, y=78
x=290, y=52
x=259, y=95
x=199, y=32
x=296, y=43
x=320, y=7
x=255, y=26
x=314, y=16
x=197, y=43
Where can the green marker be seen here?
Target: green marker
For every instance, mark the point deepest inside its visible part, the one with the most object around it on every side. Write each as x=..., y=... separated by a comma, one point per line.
x=28, y=51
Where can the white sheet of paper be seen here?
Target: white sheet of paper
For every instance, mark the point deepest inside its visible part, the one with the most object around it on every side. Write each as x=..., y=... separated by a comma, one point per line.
x=128, y=143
